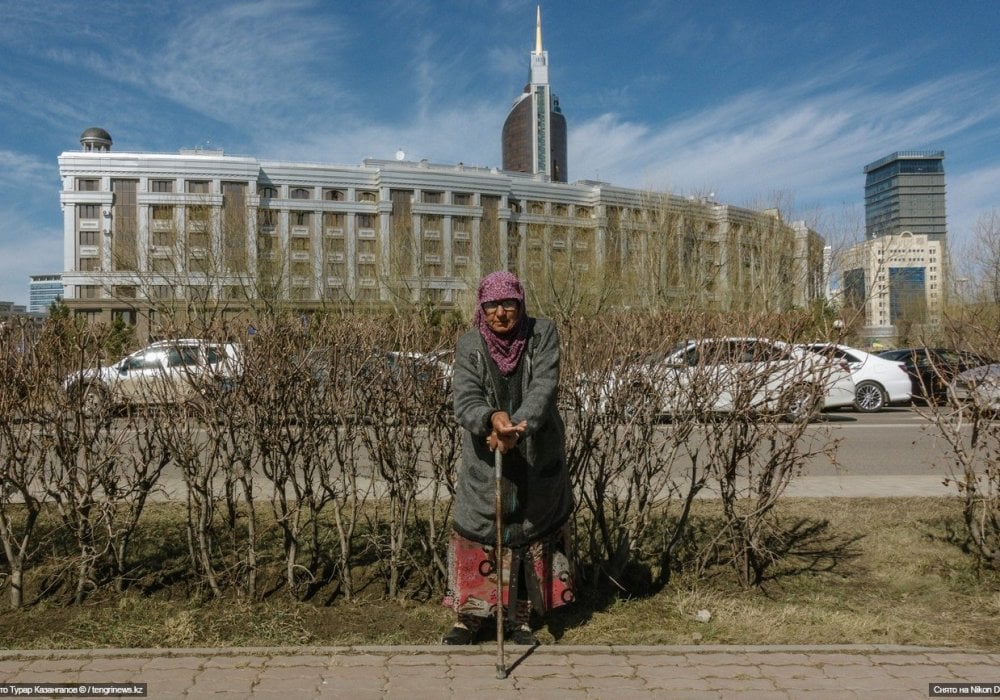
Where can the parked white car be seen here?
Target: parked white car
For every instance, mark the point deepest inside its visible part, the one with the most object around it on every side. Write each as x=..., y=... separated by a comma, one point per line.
x=878, y=382
x=167, y=371
x=699, y=377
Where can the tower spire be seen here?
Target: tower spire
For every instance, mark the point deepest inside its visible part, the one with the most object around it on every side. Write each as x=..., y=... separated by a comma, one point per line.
x=538, y=29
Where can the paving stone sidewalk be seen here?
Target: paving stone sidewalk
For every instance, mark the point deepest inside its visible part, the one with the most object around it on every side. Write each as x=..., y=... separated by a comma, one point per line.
x=417, y=672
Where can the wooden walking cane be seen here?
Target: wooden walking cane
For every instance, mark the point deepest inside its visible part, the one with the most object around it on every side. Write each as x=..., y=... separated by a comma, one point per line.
x=498, y=555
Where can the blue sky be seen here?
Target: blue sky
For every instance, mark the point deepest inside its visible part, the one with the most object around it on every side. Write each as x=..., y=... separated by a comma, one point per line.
x=761, y=103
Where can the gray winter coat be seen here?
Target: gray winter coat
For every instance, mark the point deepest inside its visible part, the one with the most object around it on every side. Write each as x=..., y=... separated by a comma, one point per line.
x=536, y=490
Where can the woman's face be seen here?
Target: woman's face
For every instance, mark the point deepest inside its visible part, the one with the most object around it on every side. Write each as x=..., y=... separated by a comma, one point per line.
x=502, y=316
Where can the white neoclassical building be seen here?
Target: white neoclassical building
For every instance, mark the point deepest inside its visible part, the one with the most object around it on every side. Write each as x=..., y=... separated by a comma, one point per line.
x=145, y=231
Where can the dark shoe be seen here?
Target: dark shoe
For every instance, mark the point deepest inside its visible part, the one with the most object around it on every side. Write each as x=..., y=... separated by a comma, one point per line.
x=459, y=636
x=521, y=635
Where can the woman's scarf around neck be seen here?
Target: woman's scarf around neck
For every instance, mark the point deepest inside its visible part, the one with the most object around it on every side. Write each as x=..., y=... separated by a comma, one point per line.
x=506, y=350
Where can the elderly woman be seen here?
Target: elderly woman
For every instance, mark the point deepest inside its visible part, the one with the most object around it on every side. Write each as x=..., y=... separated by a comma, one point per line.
x=505, y=383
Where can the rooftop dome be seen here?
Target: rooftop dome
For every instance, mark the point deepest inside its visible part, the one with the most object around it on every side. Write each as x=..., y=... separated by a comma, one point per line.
x=95, y=139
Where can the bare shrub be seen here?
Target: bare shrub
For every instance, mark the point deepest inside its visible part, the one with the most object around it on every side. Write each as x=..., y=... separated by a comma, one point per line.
x=103, y=463
x=399, y=402
x=729, y=408
x=625, y=463
x=23, y=451
x=967, y=424
x=284, y=399
x=758, y=447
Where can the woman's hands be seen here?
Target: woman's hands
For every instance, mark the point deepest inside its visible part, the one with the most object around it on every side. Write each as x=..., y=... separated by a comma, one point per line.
x=504, y=434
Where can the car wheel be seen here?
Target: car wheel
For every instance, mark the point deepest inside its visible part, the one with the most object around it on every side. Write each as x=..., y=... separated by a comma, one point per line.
x=869, y=397
x=802, y=402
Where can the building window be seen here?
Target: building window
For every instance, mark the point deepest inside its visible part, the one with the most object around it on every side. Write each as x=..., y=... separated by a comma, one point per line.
x=462, y=198
x=162, y=238
x=432, y=197
x=88, y=237
x=161, y=185
x=90, y=264
x=89, y=211
x=431, y=226
x=366, y=221
x=163, y=266
x=197, y=186
x=197, y=214
x=334, y=195
x=300, y=193
x=88, y=291
x=367, y=196
x=161, y=212
x=266, y=218
x=267, y=192
x=300, y=218
x=86, y=184
x=334, y=220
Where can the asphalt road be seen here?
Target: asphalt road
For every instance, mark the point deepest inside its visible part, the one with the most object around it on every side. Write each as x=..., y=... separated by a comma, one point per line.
x=895, y=441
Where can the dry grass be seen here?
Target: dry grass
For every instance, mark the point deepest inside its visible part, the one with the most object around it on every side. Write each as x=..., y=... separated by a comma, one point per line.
x=871, y=571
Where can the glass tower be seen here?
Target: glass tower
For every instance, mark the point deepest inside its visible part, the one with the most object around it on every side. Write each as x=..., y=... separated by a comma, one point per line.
x=534, y=133
x=904, y=191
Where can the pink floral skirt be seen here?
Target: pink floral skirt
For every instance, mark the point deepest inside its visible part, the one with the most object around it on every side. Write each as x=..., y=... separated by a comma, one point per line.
x=540, y=572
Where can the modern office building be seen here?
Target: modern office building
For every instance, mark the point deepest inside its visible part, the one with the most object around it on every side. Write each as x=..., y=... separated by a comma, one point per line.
x=898, y=273
x=42, y=291
x=894, y=279
x=904, y=191
x=534, y=133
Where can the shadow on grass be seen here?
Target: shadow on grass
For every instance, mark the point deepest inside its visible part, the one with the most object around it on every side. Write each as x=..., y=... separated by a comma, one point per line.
x=806, y=546
x=809, y=547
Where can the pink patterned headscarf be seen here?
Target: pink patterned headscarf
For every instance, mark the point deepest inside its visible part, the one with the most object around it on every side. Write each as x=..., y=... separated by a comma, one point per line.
x=504, y=349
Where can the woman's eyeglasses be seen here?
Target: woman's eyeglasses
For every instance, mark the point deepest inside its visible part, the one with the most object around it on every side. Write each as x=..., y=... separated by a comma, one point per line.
x=507, y=304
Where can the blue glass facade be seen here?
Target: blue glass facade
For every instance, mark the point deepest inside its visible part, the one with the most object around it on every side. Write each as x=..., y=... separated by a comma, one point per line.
x=907, y=294
x=44, y=290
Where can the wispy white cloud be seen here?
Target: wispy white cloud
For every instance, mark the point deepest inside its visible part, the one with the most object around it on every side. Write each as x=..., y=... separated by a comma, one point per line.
x=22, y=170
x=812, y=144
